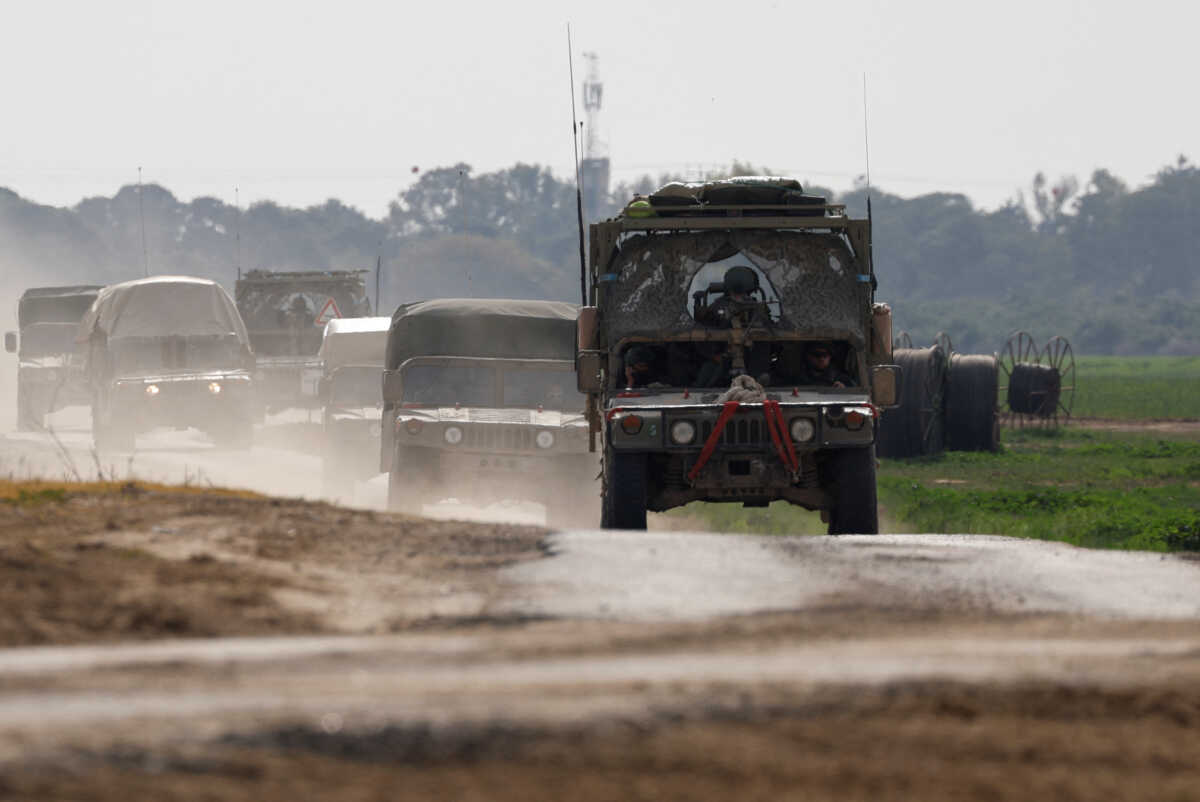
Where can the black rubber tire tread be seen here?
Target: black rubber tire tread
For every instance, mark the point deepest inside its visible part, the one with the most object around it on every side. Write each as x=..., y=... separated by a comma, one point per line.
x=851, y=484
x=625, y=491
x=916, y=427
x=971, y=415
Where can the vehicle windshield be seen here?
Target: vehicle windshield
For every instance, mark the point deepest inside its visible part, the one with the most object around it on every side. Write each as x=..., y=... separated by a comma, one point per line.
x=814, y=364
x=45, y=339
x=549, y=389
x=356, y=387
x=134, y=355
x=447, y=385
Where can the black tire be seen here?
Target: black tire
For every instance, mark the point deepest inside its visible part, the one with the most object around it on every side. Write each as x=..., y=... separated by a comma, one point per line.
x=850, y=475
x=27, y=419
x=624, y=500
x=405, y=482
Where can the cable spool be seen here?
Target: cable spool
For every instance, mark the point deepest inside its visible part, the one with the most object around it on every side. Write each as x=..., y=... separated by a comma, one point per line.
x=902, y=340
x=915, y=427
x=972, y=423
x=1033, y=389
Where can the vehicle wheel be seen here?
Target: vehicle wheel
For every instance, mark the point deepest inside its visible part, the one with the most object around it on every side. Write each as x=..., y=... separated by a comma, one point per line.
x=236, y=435
x=405, y=483
x=850, y=481
x=624, y=501
x=27, y=419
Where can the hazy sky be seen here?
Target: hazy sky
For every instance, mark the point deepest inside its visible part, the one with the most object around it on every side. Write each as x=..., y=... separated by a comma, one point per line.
x=302, y=101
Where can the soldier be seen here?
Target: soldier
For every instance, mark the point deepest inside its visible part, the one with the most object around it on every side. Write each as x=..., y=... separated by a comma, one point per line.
x=639, y=366
x=818, y=368
x=740, y=284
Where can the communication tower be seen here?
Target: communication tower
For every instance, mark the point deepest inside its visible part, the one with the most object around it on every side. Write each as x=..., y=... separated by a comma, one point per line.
x=595, y=167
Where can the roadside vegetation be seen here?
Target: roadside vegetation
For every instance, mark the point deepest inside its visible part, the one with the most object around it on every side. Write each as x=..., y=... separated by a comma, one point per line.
x=1100, y=489
x=1133, y=388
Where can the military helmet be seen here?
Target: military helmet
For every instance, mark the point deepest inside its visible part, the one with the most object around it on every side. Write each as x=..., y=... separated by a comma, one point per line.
x=741, y=279
x=638, y=353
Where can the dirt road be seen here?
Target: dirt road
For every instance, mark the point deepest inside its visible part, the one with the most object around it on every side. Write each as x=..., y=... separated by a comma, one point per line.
x=194, y=644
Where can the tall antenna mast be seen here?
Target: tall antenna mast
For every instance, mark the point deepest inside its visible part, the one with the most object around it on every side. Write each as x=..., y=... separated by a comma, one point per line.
x=142, y=217
x=578, y=177
x=237, y=231
x=866, y=137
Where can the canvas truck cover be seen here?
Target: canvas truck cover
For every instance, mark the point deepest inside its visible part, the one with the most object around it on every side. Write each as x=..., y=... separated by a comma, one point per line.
x=55, y=304
x=161, y=306
x=482, y=327
x=354, y=341
x=815, y=276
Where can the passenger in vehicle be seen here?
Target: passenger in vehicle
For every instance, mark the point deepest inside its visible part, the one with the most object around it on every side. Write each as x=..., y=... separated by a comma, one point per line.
x=819, y=368
x=640, y=366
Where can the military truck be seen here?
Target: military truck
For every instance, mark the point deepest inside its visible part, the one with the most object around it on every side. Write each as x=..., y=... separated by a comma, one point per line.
x=167, y=351
x=49, y=370
x=733, y=352
x=285, y=313
x=479, y=402
x=352, y=397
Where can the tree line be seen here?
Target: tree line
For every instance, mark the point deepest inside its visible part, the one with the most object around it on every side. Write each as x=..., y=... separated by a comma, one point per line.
x=1109, y=266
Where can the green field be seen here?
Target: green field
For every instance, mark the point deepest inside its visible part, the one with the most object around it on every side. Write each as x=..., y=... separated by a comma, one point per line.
x=1137, y=387
x=1100, y=489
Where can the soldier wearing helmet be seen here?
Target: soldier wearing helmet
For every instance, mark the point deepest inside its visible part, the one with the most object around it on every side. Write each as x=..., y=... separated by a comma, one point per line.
x=739, y=286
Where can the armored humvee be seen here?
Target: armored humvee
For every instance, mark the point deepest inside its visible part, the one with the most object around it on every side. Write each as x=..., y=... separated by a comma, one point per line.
x=480, y=402
x=767, y=390
x=50, y=371
x=352, y=397
x=285, y=314
x=167, y=351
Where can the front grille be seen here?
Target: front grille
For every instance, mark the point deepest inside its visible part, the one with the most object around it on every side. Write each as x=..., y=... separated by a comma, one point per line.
x=499, y=438
x=741, y=430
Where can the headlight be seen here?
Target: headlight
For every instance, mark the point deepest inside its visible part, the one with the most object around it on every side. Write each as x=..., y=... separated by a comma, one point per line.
x=151, y=389
x=413, y=426
x=214, y=388
x=375, y=430
x=544, y=439
x=453, y=435
x=803, y=430
x=683, y=432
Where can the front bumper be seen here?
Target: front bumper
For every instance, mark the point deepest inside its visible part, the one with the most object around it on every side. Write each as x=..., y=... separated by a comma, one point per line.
x=201, y=401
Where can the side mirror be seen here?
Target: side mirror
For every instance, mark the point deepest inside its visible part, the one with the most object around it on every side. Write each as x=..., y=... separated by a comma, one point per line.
x=588, y=367
x=392, y=388
x=10, y=341
x=885, y=386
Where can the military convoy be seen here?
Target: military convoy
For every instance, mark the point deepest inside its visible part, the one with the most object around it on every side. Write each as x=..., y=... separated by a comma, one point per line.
x=167, y=351
x=285, y=314
x=732, y=351
x=772, y=389
x=479, y=402
x=50, y=369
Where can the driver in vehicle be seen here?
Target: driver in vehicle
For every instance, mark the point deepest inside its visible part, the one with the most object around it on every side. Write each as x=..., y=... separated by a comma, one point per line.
x=639, y=367
x=819, y=369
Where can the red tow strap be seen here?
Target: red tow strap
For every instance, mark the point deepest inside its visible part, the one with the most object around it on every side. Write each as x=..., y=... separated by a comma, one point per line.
x=710, y=444
x=777, y=426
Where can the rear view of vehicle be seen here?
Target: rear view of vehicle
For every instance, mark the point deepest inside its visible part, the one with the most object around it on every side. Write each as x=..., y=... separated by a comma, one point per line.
x=49, y=373
x=480, y=403
x=352, y=397
x=168, y=351
x=285, y=314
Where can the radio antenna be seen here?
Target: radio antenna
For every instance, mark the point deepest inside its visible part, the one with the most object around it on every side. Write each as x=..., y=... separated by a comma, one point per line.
x=578, y=175
x=867, y=157
x=237, y=231
x=142, y=217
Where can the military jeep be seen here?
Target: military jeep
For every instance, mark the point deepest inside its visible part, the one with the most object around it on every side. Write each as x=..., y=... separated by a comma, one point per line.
x=480, y=404
x=351, y=395
x=768, y=390
x=50, y=368
x=285, y=313
x=167, y=351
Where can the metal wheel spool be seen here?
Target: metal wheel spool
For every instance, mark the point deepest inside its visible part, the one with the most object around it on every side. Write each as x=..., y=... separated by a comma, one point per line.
x=903, y=340
x=1058, y=355
x=1020, y=349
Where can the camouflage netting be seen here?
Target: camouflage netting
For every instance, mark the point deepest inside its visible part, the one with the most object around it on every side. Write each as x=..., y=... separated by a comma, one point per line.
x=814, y=275
x=483, y=327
